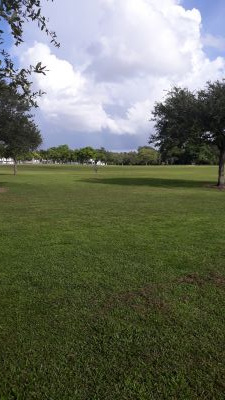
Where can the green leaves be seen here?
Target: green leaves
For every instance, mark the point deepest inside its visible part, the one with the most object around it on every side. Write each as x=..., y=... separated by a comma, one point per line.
x=186, y=117
x=18, y=132
x=15, y=13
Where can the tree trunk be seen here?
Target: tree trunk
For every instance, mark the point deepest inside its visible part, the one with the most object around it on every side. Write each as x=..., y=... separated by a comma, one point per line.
x=221, y=182
x=15, y=167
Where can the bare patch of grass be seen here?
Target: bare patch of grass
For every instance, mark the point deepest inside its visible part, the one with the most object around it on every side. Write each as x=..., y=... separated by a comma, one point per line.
x=220, y=188
x=140, y=300
x=196, y=279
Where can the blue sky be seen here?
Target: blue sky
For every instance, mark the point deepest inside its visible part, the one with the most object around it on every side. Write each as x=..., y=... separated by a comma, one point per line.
x=212, y=13
x=117, y=58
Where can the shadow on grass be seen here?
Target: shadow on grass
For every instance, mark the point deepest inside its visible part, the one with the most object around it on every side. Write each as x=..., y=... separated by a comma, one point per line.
x=154, y=182
x=7, y=173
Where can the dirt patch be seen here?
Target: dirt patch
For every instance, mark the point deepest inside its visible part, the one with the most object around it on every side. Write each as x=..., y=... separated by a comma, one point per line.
x=3, y=190
x=140, y=300
x=221, y=188
x=150, y=297
x=196, y=279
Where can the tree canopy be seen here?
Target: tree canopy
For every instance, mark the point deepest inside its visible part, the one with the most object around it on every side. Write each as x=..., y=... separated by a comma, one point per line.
x=147, y=155
x=18, y=132
x=188, y=119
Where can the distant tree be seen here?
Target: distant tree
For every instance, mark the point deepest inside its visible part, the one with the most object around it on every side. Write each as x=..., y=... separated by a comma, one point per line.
x=43, y=155
x=130, y=158
x=74, y=155
x=63, y=153
x=101, y=154
x=35, y=155
x=196, y=119
x=147, y=155
x=52, y=154
x=116, y=158
x=85, y=154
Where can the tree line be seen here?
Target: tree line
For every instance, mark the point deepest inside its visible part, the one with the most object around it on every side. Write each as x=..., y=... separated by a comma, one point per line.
x=145, y=155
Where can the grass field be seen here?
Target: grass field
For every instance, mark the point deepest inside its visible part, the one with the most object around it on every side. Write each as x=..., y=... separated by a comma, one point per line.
x=112, y=284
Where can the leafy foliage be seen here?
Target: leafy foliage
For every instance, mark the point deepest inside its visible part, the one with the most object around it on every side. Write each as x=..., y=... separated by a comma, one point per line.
x=175, y=119
x=190, y=122
x=18, y=132
x=15, y=13
x=147, y=155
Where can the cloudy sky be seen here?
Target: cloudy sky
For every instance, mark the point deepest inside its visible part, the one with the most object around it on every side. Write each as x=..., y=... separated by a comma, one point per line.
x=117, y=57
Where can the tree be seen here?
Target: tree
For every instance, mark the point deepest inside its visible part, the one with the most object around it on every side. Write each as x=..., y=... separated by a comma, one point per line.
x=207, y=155
x=60, y=154
x=190, y=154
x=23, y=137
x=175, y=119
x=85, y=154
x=187, y=119
x=147, y=155
x=101, y=154
x=212, y=121
x=15, y=13
x=18, y=132
x=130, y=158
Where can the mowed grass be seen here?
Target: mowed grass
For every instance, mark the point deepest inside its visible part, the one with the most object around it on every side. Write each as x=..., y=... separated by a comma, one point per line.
x=112, y=284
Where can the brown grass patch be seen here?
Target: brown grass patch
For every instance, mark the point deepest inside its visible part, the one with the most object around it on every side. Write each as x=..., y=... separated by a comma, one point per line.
x=150, y=297
x=140, y=300
x=196, y=279
x=3, y=190
x=221, y=188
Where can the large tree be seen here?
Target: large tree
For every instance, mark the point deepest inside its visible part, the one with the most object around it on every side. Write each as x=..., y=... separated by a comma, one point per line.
x=212, y=120
x=188, y=118
x=23, y=136
x=18, y=132
x=13, y=15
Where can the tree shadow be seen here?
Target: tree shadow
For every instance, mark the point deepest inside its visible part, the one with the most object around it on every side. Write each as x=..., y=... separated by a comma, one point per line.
x=152, y=182
x=7, y=173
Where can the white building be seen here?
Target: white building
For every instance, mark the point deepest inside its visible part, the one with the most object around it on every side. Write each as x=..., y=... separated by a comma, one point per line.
x=91, y=161
x=6, y=161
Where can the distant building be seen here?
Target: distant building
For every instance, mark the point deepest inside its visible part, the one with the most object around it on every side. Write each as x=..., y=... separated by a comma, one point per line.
x=33, y=161
x=93, y=162
x=6, y=161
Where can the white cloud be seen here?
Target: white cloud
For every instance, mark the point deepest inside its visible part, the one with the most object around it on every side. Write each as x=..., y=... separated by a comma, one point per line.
x=116, y=60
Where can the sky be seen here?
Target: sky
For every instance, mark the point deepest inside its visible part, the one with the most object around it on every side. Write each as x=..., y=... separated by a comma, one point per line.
x=116, y=59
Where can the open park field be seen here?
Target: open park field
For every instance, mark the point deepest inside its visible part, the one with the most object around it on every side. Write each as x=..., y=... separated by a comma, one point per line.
x=112, y=283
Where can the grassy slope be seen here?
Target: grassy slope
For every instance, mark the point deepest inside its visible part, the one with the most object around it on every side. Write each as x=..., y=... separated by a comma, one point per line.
x=111, y=284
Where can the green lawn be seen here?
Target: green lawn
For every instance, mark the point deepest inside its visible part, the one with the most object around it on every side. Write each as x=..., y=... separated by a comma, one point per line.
x=112, y=284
